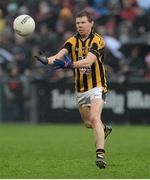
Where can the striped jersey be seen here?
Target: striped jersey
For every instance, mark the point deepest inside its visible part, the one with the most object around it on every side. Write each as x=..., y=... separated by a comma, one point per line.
x=95, y=76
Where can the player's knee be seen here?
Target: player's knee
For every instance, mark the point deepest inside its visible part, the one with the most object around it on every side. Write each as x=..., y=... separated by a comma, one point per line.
x=94, y=120
x=87, y=125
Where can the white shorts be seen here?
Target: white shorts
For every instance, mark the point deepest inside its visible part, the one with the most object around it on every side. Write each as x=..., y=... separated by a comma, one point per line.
x=84, y=99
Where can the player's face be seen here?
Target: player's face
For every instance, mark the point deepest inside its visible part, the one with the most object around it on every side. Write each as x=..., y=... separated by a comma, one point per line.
x=83, y=26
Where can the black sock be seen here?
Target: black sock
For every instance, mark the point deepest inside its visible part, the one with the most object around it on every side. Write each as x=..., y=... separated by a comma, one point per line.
x=100, y=151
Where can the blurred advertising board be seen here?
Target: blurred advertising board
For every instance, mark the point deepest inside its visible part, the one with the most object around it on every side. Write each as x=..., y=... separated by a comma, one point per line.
x=125, y=103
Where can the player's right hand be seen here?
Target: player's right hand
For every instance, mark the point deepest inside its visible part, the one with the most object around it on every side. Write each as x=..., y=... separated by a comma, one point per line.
x=42, y=58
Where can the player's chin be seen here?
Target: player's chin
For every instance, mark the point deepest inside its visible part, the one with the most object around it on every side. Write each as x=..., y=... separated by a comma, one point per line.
x=82, y=33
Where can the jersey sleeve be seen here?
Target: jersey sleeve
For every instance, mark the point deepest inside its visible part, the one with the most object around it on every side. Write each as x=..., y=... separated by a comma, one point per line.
x=67, y=45
x=98, y=47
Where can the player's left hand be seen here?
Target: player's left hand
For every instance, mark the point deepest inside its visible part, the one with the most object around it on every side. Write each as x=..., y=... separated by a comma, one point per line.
x=66, y=63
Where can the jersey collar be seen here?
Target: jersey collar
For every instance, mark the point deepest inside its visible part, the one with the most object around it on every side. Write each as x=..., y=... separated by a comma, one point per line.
x=91, y=35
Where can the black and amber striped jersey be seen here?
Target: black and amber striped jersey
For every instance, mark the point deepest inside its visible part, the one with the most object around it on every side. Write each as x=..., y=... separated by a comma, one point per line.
x=95, y=76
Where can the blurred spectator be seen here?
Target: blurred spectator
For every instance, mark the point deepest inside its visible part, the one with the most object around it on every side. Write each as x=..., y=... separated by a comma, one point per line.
x=12, y=8
x=134, y=65
x=20, y=59
x=114, y=45
x=64, y=22
x=147, y=69
x=100, y=8
x=23, y=10
x=144, y=4
x=141, y=22
x=125, y=31
x=44, y=12
x=16, y=91
x=67, y=4
x=128, y=12
x=12, y=12
x=114, y=7
x=2, y=21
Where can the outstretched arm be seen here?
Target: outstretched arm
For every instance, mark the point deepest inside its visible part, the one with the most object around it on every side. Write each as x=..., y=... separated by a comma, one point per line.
x=59, y=55
x=49, y=60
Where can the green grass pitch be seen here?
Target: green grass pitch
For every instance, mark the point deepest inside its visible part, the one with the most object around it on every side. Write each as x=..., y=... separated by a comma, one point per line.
x=67, y=152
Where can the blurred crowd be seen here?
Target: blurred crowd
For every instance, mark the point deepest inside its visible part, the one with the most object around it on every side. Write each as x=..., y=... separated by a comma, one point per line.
x=124, y=24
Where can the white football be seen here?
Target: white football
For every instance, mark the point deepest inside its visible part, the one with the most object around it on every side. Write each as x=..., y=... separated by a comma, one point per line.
x=24, y=25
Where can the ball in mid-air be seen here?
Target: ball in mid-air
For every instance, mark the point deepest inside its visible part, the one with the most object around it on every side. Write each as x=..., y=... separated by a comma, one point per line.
x=24, y=25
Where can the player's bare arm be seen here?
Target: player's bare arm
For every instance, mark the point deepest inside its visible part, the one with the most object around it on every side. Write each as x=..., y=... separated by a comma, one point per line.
x=85, y=63
x=67, y=63
x=59, y=55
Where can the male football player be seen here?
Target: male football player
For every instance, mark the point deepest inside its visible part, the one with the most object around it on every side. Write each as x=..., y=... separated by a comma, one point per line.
x=86, y=50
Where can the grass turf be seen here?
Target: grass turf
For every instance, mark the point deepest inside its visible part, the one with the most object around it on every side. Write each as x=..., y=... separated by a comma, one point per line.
x=67, y=151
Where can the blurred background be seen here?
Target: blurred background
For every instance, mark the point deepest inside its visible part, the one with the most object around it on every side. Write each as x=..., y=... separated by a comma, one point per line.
x=33, y=93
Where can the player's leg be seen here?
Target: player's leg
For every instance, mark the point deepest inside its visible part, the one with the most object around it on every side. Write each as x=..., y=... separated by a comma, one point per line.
x=85, y=114
x=98, y=130
x=84, y=103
